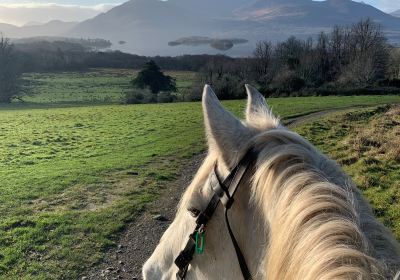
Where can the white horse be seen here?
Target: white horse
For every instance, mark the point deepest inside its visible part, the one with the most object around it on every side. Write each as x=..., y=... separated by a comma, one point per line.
x=295, y=215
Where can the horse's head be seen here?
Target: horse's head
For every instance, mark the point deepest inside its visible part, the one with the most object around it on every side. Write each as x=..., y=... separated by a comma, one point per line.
x=229, y=139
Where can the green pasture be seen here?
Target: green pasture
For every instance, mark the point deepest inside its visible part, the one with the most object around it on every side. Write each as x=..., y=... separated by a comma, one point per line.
x=93, y=86
x=366, y=143
x=73, y=177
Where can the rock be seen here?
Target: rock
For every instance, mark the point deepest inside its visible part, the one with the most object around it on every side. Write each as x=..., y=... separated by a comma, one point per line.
x=84, y=278
x=108, y=270
x=119, y=251
x=133, y=173
x=160, y=218
x=121, y=263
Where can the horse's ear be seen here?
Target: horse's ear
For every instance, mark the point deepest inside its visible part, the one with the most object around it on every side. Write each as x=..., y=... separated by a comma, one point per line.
x=225, y=133
x=258, y=114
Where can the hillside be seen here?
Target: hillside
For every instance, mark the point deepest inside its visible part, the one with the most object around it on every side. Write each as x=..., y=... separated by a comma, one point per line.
x=325, y=13
x=396, y=13
x=147, y=26
x=52, y=28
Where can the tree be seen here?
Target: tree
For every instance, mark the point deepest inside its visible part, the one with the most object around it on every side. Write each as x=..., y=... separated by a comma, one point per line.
x=153, y=78
x=367, y=54
x=262, y=55
x=394, y=66
x=9, y=72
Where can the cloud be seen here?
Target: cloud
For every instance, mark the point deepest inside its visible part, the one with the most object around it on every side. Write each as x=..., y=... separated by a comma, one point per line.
x=22, y=13
x=388, y=5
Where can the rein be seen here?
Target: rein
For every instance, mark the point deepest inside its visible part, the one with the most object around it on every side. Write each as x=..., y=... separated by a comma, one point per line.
x=224, y=191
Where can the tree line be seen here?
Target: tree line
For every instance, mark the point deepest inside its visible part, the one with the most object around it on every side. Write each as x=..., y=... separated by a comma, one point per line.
x=48, y=56
x=354, y=59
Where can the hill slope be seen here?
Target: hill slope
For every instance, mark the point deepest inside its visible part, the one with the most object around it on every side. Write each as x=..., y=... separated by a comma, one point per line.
x=325, y=13
x=52, y=28
x=396, y=13
x=147, y=26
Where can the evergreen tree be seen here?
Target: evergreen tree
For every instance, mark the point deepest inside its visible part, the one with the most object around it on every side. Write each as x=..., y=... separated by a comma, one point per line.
x=153, y=78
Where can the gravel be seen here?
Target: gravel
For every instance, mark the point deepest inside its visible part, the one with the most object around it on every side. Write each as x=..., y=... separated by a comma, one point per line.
x=135, y=246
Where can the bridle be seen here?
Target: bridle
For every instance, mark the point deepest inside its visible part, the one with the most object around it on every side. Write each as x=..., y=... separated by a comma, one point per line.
x=224, y=191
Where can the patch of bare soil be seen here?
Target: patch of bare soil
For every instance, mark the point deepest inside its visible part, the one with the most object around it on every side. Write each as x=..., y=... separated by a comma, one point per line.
x=144, y=233
x=296, y=121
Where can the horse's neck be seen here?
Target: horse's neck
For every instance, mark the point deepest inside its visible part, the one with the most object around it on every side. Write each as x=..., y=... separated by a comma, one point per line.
x=314, y=220
x=383, y=246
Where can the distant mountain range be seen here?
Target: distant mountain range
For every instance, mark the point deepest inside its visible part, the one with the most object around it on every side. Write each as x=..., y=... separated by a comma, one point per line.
x=396, y=13
x=52, y=28
x=147, y=26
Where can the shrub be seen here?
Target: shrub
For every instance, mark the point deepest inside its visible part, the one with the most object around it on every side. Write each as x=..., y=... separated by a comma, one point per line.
x=165, y=97
x=140, y=96
x=287, y=82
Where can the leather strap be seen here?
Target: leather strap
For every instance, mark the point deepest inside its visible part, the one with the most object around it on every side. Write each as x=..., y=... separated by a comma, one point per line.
x=241, y=259
x=224, y=192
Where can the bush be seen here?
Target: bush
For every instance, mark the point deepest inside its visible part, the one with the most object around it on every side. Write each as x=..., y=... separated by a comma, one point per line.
x=140, y=96
x=286, y=83
x=389, y=83
x=165, y=97
x=227, y=86
x=144, y=96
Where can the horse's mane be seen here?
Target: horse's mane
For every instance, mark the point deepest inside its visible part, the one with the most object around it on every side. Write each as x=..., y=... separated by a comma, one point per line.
x=319, y=225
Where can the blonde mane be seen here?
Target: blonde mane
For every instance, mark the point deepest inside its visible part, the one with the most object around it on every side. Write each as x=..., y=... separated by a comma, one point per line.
x=319, y=225
x=297, y=216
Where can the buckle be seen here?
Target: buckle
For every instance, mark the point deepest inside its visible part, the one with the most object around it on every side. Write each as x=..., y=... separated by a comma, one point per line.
x=221, y=190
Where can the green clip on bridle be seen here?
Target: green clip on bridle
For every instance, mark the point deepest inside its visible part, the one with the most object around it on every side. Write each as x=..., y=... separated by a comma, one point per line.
x=224, y=192
x=200, y=241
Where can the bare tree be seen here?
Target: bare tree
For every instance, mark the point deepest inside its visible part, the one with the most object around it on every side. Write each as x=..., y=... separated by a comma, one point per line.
x=363, y=55
x=394, y=65
x=360, y=72
x=262, y=54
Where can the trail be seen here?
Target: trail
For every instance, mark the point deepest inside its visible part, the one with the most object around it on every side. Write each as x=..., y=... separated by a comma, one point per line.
x=141, y=237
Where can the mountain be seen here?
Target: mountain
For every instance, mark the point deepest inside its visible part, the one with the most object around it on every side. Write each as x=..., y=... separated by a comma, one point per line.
x=396, y=13
x=155, y=27
x=51, y=28
x=316, y=13
x=33, y=23
x=148, y=26
x=8, y=29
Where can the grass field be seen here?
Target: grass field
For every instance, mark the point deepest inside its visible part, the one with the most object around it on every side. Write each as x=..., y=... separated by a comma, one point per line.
x=73, y=177
x=367, y=144
x=94, y=86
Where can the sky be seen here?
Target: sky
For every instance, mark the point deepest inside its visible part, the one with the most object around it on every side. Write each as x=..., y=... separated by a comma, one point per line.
x=20, y=12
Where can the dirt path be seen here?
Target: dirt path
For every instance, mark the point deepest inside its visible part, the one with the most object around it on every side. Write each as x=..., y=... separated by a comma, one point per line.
x=142, y=236
x=296, y=121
